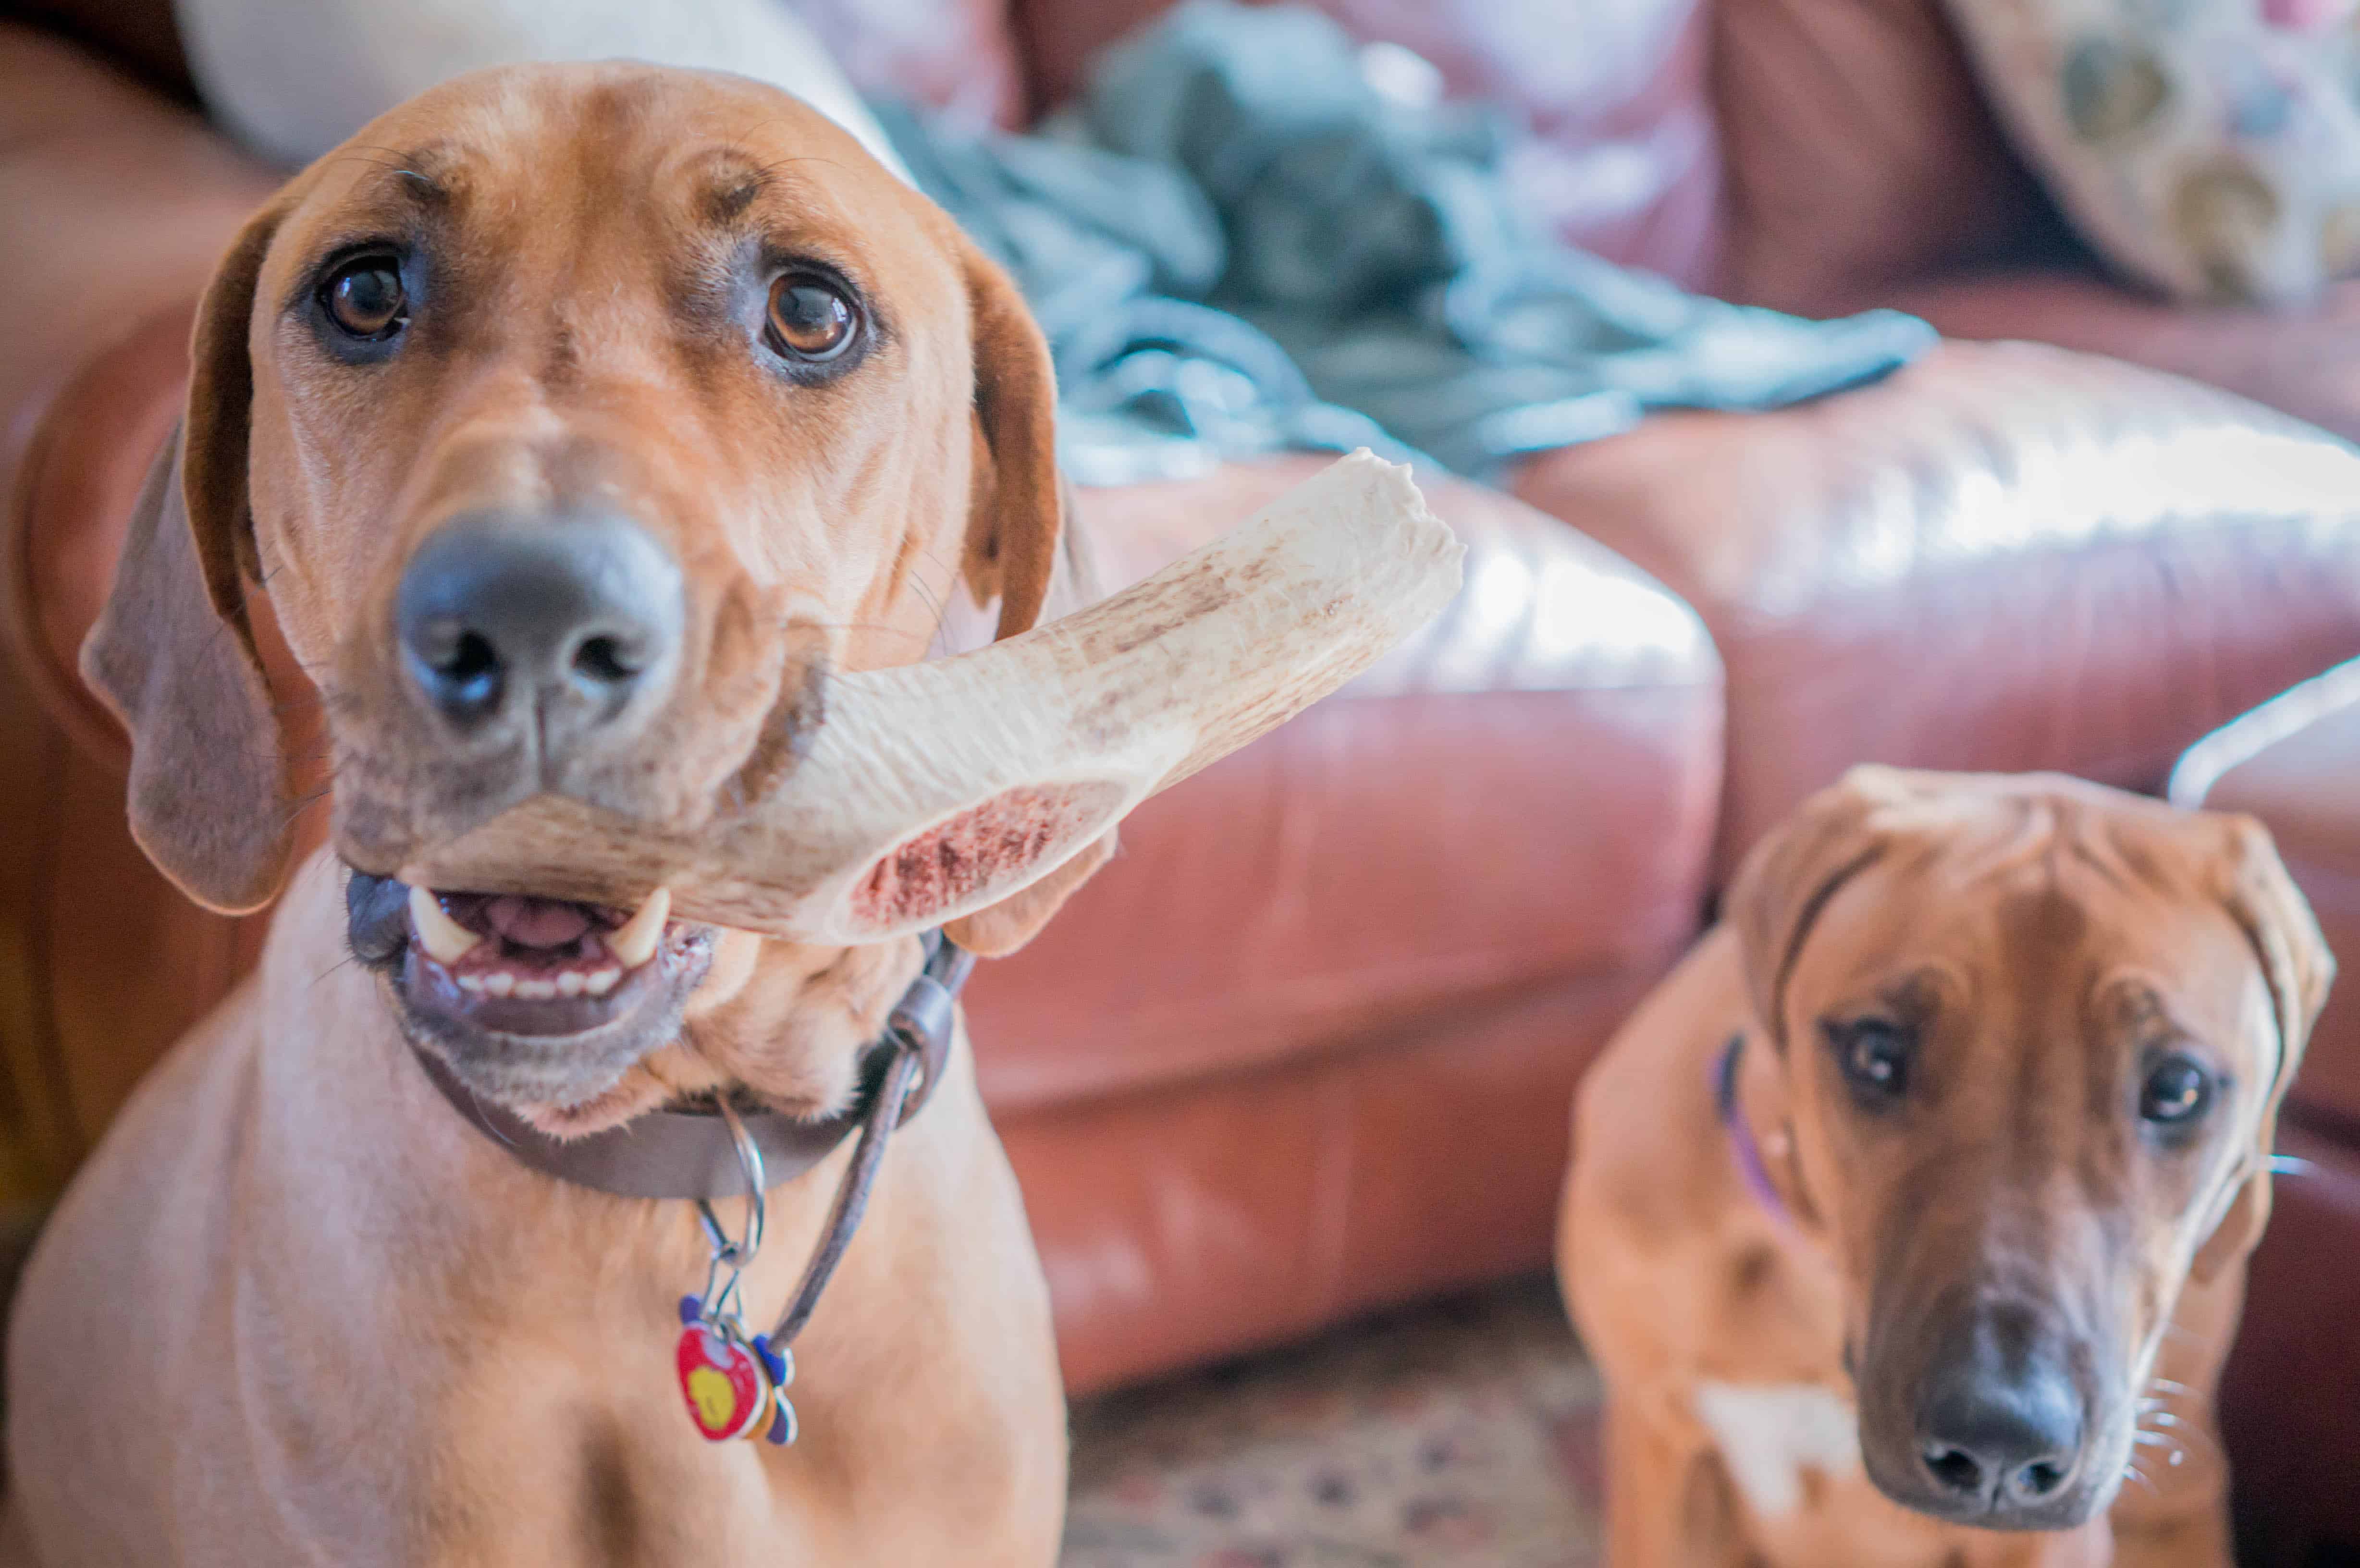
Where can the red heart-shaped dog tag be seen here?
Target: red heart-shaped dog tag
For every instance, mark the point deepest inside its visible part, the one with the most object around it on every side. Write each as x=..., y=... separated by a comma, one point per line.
x=723, y=1381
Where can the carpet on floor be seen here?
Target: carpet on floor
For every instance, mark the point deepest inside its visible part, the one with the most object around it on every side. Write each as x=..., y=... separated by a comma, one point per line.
x=1461, y=1433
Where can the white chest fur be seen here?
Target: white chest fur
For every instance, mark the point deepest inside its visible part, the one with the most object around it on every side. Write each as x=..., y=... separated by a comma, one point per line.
x=1770, y=1434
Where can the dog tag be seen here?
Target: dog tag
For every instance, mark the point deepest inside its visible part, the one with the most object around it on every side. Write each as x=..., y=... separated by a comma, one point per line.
x=733, y=1388
x=723, y=1380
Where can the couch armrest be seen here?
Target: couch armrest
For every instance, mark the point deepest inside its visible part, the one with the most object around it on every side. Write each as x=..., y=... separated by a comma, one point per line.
x=118, y=205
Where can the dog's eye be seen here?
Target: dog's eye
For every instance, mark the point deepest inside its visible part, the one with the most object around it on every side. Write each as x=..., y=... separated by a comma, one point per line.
x=810, y=319
x=2178, y=1092
x=1874, y=1055
x=366, y=299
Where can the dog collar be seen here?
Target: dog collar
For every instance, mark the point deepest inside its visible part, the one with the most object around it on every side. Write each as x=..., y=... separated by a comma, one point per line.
x=689, y=1149
x=1742, y=1145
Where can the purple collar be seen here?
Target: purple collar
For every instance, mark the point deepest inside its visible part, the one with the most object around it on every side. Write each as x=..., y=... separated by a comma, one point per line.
x=1742, y=1146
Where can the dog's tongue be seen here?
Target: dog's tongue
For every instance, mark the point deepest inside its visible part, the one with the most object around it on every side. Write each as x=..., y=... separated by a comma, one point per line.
x=536, y=922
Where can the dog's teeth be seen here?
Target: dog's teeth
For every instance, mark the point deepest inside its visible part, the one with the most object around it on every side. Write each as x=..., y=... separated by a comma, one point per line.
x=471, y=983
x=602, y=981
x=634, y=942
x=535, y=990
x=499, y=982
x=445, y=938
x=570, y=983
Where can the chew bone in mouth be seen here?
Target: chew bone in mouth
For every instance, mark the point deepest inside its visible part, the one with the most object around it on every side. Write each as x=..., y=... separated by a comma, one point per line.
x=934, y=789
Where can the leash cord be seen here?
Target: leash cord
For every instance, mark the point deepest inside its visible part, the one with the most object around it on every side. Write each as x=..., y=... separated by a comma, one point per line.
x=852, y=1195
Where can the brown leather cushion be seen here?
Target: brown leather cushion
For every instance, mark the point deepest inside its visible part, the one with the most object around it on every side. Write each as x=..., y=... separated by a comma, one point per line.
x=1188, y=1224
x=2305, y=362
x=1860, y=152
x=1307, y=1045
x=2292, y=762
x=140, y=36
x=2004, y=557
x=1625, y=158
x=116, y=205
x=1524, y=793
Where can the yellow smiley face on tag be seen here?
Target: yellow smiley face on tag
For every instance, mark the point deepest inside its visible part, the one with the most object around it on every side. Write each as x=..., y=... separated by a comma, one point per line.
x=716, y=1399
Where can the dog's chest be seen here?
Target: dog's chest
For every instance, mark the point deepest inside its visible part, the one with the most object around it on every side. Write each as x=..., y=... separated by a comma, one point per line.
x=1774, y=1437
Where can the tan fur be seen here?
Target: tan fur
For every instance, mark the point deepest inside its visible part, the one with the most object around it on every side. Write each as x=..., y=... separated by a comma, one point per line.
x=2051, y=923
x=294, y=1309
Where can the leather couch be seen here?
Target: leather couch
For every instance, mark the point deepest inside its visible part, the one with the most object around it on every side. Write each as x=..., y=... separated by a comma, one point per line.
x=1307, y=1046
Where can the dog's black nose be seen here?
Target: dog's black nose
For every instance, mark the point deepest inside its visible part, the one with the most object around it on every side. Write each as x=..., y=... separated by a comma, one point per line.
x=565, y=617
x=2003, y=1439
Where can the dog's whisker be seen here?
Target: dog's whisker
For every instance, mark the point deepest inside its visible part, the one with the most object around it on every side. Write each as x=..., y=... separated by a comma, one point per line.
x=347, y=962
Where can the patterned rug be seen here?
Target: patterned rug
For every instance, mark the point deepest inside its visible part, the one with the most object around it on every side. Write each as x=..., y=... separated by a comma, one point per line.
x=1459, y=1435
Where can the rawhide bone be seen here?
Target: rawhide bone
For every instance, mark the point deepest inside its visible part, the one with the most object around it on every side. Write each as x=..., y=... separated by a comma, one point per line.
x=933, y=790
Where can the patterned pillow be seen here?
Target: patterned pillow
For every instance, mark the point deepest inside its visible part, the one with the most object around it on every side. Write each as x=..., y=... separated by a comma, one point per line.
x=2211, y=147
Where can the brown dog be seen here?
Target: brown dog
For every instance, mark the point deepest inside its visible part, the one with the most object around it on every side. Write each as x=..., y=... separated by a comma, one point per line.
x=572, y=424
x=1913, y=1207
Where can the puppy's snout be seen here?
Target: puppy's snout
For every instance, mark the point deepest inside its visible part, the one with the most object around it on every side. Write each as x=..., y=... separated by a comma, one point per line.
x=2009, y=1444
x=2000, y=1425
x=563, y=620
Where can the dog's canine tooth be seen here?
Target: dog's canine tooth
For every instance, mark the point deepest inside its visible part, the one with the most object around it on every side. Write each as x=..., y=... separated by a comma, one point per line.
x=445, y=938
x=634, y=942
x=601, y=981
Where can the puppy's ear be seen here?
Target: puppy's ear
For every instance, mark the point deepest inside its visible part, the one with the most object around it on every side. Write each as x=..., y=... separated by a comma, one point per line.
x=1016, y=505
x=172, y=652
x=2297, y=967
x=1787, y=878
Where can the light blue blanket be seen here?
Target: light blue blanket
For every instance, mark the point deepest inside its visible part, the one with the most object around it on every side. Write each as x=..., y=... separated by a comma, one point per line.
x=1237, y=244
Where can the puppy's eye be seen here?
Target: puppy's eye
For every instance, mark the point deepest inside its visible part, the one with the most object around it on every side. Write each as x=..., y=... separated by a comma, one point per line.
x=809, y=319
x=2178, y=1092
x=1873, y=1056
x=366, y=299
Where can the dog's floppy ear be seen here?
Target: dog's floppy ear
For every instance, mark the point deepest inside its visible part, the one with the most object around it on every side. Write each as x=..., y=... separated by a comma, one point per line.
x=1002, y=928
x=1016, y=505
x=172, y=652
x=2297, y=967
x=1016, y=521
x=1787, y=878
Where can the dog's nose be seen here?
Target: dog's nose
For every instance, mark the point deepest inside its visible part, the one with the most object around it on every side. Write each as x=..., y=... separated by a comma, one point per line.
x=564, y=617
x=2007, y=1439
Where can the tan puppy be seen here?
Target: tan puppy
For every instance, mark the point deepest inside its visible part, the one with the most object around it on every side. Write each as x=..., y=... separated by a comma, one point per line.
x=572, y=424
x=2004, y=1056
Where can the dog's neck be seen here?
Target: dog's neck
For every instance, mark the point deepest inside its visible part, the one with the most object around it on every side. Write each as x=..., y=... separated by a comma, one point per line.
x=1760, y=1142
x=1744, y=1143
